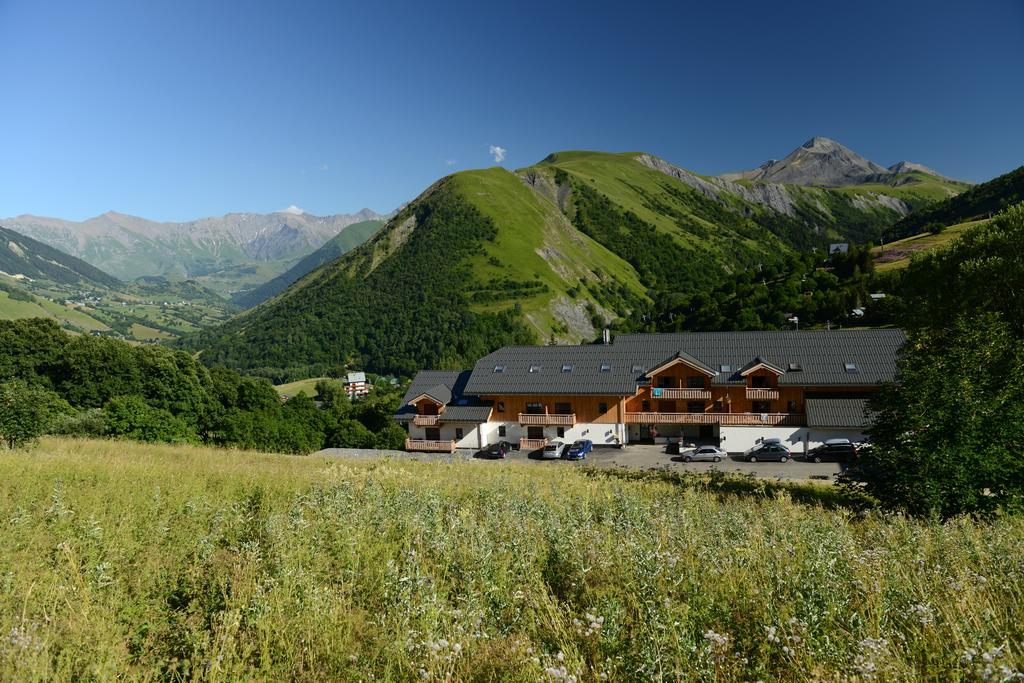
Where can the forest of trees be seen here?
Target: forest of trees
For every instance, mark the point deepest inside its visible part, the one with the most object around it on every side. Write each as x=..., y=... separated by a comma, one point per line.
x=949, y=431
x=53, y=382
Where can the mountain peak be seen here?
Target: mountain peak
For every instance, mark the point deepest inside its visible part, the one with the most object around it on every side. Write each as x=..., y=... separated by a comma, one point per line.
x=910, y=167
x=819, y=161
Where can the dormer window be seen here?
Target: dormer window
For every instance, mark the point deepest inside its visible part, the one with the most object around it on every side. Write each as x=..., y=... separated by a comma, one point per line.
x=499, y=368
x=760, y=382
x=567, y=367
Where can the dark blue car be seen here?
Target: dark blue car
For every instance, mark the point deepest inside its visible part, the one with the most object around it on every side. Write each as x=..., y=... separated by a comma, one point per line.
x=579, y=449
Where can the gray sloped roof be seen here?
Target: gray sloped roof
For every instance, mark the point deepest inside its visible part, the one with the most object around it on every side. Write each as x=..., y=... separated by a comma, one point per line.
x=836, y=412
x=820, y=354
x=447, y=387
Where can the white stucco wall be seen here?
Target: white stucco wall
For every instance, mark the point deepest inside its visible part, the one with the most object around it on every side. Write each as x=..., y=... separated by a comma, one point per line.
x=601, y=433
x=470, y=437
x=798, y=439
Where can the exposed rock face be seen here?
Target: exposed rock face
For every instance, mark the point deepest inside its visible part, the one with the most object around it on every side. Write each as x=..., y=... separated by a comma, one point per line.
x=910, y=167
x=772, y=196
x=873, y=200
x=819, y=161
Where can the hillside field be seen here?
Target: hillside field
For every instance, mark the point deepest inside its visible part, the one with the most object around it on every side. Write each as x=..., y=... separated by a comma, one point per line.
x=896, y=255
x=161, y=562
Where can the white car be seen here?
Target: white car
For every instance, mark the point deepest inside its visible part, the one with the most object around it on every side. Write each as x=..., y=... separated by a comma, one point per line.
x=554, y=450
x=712, y=453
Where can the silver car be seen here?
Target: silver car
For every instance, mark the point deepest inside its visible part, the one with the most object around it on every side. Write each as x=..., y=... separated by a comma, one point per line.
x=712, y=453
x=554, y=450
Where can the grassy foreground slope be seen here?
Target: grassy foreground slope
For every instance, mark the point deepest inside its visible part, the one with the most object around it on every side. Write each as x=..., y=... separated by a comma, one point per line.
x=146, y=562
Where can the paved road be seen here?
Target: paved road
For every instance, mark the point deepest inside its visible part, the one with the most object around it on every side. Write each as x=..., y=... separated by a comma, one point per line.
x=639, y=457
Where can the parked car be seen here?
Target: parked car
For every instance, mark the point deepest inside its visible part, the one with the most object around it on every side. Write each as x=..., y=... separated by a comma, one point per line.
x=553, y=450
x=712, y=453
x=676, y=447
x=833, y=450
x=496, y=450
x=767, y=450
x=578, y=450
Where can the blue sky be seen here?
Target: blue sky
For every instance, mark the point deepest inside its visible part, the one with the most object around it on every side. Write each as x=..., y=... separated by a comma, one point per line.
x=176, y=110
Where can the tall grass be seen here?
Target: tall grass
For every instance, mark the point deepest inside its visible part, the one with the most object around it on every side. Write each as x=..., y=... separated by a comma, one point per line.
x=154, y=562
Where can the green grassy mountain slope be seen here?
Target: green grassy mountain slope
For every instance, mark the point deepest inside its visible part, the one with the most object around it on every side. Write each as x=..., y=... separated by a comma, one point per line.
x=24, y=257
x=550, y=252
x=980, y=201
x=345, y=241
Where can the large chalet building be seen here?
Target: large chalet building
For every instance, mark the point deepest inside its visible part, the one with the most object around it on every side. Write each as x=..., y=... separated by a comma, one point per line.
x=729, y=388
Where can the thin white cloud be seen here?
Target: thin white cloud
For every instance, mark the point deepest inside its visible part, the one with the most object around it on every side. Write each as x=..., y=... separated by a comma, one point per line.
x=294, y=210
x=499, y=153
x=450, y=162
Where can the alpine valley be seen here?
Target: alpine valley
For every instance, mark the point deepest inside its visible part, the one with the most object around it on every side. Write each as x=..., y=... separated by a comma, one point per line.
x=579, y=241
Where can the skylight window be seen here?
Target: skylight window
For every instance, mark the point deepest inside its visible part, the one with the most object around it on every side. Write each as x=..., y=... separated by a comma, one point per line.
x=534, y=368
x=850, y=367
x=499, y=368
x=567, y=367
x=725, y=368
x=606, y=367
x=638, y=368
x=795, y=367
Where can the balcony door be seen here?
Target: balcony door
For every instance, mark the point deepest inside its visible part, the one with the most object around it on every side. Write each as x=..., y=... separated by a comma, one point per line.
x=695, y=407
x=432, y=434
x=428, y=408
x=534, y=433
x=534, y=408
x=563, y=409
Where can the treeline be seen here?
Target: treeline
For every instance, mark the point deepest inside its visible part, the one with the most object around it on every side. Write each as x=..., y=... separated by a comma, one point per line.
x=978, y=202
x=948, y=432
x=408, y=312
x=53, y=382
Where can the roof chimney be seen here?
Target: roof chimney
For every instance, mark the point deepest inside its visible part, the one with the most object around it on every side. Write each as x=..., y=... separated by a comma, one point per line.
x=606, y=336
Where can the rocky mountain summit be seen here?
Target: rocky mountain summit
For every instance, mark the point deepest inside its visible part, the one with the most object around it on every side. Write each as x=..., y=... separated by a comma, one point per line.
x=826, y=163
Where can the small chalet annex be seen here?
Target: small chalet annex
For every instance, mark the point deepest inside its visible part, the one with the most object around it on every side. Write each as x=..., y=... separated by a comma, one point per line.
x=729, y=388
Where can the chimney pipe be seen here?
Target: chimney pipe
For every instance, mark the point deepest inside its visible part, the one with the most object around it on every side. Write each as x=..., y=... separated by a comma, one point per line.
x=606, y=335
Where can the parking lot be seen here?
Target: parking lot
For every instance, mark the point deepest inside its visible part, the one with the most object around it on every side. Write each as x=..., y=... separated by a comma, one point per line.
x=637, y=457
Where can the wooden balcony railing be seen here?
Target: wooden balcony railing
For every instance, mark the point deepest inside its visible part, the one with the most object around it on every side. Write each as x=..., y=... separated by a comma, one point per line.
x=540, y=419
x=762, y=394
x=430, y=446
x=693, y=394
x=531, y=444
x=426, y=420
x=763, y=419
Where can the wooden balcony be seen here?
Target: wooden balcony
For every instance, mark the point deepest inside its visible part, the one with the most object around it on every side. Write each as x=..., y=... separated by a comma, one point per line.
x=691, y=394
x=532, y=444
x=429, y=446
x=762, y=419
x=426, y=420
x=762, y=394
x=545, y=419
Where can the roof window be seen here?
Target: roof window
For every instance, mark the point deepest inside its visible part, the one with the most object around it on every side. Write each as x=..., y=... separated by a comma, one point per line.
x=638, y=368
x=567, y=367
x=606, y=367
x=534, y=368
x=499, y=368
x=850, y=367
x=795, y=367
x=724, y=368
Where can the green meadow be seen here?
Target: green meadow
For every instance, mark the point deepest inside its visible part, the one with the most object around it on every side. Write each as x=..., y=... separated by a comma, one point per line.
x=126, y=561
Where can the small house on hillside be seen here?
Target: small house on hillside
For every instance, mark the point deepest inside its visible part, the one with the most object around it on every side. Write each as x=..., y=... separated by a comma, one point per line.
x=355, y=385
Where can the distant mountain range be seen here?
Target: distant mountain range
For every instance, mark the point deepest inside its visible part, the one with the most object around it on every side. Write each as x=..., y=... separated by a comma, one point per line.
x=345, y=241
x=555, y=251
x=130, y=247
x=23, y=258
x=826, y=163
